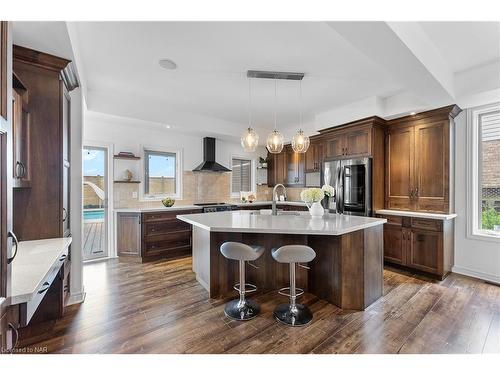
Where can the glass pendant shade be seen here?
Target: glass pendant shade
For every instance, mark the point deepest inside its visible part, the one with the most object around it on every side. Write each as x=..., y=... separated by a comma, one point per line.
x=300, y=142
x=275, y=142
x=249, y=140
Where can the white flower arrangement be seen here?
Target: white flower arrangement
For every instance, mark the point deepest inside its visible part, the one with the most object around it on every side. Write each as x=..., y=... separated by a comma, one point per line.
x=328, y=190
x=312, y=195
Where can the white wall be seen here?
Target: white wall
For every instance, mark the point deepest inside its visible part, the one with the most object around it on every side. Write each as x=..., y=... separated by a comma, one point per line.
x=473, y=257
x=131, y=135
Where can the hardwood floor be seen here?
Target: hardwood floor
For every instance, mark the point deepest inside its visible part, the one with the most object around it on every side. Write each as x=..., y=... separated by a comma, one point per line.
x=160, y=308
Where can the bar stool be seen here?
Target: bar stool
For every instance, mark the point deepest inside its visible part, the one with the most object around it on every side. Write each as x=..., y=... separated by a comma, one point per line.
x=242, y=309
x=293, y=314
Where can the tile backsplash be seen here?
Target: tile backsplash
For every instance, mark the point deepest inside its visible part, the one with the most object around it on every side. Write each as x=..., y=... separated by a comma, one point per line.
x=197, y=187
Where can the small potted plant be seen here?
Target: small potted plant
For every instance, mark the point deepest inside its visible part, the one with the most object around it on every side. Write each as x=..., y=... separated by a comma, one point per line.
x=262, y=162
x=329, y=194
x=312, y=198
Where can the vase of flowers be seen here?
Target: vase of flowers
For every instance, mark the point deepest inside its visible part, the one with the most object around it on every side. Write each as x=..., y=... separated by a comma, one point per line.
x=329, y=195
x=312, y=198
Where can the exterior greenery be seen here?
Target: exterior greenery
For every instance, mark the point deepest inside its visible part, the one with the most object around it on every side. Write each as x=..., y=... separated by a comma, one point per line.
x=489, y=218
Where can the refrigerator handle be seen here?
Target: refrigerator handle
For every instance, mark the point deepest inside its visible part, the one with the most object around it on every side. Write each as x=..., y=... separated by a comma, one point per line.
x=340, y=191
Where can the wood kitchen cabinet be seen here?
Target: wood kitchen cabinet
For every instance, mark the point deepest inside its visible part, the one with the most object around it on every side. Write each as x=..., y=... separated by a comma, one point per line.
x=153, y=235
x=314, y=157
x=419, y=244
x=353, y=141
x=21, y=138
x=3, y=69
x=419, y=168
x=295, y=173
x=276, y=168
x=46, y=145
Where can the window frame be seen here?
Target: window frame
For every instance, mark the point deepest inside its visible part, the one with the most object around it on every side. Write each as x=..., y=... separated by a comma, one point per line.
x=252, y=174
x=178, y=173
x=474, y=151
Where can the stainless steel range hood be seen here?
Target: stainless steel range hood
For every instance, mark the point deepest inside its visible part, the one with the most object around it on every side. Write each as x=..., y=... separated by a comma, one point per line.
x=209, y=164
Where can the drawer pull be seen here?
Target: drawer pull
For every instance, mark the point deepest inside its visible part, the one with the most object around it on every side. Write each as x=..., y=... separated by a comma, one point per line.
x=47, y=286
x=62, y=257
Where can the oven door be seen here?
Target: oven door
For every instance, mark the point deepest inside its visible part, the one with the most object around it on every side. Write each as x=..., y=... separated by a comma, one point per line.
x=356, y=187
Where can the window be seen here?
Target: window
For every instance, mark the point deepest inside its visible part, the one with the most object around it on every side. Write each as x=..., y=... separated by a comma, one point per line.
x=161, y=174
x=242, y=176
x=484, y=146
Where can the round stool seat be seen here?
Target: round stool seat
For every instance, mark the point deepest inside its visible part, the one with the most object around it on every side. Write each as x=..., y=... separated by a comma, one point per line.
x=293, y=254
x=241, y=251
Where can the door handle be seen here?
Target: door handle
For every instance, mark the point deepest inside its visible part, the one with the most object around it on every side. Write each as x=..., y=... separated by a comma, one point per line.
x=65, y=214
x=47, y=286
x=16, y=243
x=62, y=257
x=14, y=342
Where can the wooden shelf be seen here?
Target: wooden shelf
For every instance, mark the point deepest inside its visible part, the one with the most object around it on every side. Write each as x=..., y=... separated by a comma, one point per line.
x=126, y=157
x=126, y=182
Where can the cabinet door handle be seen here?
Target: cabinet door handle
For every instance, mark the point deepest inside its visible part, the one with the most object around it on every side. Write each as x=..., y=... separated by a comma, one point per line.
x=23, y=170
x=14, y=342
x=16, y=244
x=65, y=214
x=47, y=286
x=62, y=257
x=416, y=192
x=17, y=173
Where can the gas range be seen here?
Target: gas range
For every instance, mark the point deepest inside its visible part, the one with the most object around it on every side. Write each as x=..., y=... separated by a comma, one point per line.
x=216, y=207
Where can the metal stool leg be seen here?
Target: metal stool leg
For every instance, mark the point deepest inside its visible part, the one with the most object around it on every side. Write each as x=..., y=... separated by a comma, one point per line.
x=242, y=309
x=293, y=314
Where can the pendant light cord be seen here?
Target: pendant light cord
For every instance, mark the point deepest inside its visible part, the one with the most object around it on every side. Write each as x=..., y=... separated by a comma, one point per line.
x=249, y=103
x=300, y=105
x=275, y=101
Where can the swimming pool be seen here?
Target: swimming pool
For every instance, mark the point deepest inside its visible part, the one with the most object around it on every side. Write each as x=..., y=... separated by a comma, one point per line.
x=89, y=215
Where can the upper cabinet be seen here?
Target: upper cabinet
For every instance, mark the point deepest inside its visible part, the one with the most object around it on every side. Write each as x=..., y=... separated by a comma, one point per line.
x=418, y=162
x=314, y=156
x=3, y=69
x=41, y=145
x=21, y=142
x=295, y=172
x=287, y=168
x=354, y=141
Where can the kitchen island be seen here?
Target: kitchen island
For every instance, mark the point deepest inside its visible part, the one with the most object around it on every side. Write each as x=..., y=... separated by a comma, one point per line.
x=347, y=270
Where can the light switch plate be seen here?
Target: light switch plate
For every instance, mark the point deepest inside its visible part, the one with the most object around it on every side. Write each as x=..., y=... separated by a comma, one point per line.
x=134, y=194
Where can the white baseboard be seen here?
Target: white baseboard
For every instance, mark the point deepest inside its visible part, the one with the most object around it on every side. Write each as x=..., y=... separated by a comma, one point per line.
x=478, y=274
x=76, y=298
x=203, y=283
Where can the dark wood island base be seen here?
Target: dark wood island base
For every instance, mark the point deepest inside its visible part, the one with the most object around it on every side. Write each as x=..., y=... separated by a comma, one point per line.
x=347, y=270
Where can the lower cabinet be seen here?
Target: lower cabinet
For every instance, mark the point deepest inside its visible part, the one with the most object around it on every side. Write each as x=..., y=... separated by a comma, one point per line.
x=153, y=235
x=420, y=244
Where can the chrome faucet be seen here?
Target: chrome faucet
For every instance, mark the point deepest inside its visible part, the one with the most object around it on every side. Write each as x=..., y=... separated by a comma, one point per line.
x=275, y=210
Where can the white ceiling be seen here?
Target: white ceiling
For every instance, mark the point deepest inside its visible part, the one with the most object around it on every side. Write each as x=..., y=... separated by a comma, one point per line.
x=403, y=66
x=465, y=45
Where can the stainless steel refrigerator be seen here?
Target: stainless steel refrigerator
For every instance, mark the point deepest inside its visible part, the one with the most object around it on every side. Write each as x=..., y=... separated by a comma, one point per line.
x=351, y=179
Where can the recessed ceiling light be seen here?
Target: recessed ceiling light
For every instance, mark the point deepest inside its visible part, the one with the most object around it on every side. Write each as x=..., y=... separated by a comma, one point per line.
x=167, y=126
x=413, y=113
x=167, y=64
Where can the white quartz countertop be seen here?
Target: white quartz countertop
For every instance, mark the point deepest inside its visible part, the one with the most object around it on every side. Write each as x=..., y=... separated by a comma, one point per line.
x=426, y=215
x=302, y=223
x=265, y=203
x=155, y=209
x=32, y=264
x=193, y=207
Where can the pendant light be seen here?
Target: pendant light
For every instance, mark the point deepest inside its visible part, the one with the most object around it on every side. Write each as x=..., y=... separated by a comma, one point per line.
x=249, y=139
x=275, y=139
x=300, y=141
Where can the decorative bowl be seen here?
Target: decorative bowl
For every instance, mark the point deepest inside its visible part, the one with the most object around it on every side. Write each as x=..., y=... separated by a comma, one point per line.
x=168, y=202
